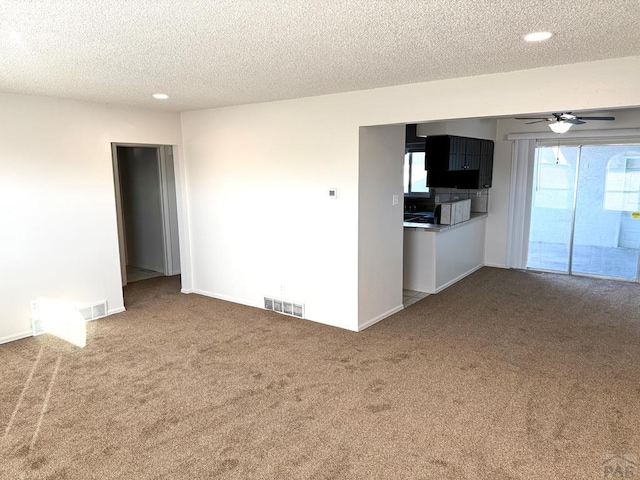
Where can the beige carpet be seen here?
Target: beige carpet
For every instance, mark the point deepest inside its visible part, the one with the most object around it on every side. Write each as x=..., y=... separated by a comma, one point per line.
x=505, y=375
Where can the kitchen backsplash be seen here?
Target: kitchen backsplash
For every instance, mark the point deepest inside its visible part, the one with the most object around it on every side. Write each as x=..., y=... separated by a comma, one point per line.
x=479, y=199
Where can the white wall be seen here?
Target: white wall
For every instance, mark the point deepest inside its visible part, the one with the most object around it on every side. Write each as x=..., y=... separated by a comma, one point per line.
x=57, y=207
x=380, y=222
x=419, y=273
x=262, y=222
x=259, y=174
x=457, y=254
x=435, y=260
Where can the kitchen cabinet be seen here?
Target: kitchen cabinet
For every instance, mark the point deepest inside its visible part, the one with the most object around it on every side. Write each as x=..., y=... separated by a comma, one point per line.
x=486, y=163
x=458, y=162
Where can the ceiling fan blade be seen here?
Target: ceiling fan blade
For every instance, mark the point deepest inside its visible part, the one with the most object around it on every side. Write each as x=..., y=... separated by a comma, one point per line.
x=537, y=121
x=596, y=118
x=574, y=121
x=531, y=118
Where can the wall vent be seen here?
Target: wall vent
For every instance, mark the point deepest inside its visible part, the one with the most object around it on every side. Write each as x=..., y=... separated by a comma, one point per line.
x=277, y=306
x=36, y=327
x=88, y=313
x=298, y=310
x=93, y=312
x=284, y=307
x=268, y=303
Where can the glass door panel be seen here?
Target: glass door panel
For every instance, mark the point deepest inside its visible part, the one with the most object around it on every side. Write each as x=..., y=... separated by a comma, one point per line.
x=606, y=238
x=554, y=180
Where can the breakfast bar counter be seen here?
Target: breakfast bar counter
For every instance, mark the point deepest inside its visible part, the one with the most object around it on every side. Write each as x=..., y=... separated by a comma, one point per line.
x=437, y=256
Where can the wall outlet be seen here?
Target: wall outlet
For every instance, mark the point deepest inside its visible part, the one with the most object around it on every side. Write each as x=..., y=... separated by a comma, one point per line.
x=35, y=311
x=283, y=288
x=437, y=198
x=479, y=194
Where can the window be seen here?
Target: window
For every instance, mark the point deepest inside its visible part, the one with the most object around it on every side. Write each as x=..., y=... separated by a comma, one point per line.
x=622, y=185
x=415, y=175
x=554, y=174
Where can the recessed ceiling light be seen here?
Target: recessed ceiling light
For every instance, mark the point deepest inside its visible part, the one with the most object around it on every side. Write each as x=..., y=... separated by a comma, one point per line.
x=160, y=96
x=538, y=36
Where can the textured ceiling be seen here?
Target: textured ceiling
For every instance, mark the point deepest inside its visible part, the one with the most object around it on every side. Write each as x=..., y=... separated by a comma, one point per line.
x=226, y=52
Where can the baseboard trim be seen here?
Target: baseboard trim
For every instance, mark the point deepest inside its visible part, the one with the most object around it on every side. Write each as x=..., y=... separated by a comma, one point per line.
x=458, y=278
x=226, y=298
x=29, y=333
x=16, y=336
x=326, y=324
x=186, y=290
x=496, y=265
x=379, y=318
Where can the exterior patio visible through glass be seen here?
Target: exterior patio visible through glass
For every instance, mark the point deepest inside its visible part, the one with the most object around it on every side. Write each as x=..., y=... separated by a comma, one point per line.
x=585, y=213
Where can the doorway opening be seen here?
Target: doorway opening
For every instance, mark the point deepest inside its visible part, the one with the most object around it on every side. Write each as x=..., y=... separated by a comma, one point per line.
x=147, y=213
x=585, y=210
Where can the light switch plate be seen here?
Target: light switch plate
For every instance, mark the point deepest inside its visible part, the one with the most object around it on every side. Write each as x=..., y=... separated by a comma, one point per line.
x=333, y=193
x=396, y=200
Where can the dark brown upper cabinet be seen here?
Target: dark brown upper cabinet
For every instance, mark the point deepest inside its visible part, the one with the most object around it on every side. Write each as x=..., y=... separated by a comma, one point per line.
x=458, y=162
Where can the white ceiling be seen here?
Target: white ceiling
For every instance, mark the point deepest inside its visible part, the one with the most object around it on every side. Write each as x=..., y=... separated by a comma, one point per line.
x=212, y=53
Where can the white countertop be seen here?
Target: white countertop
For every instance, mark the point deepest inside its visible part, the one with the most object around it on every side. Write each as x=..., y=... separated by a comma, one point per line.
x=434, y=227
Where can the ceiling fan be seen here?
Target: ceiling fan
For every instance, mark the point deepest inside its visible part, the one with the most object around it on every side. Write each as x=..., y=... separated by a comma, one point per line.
x=562, y=122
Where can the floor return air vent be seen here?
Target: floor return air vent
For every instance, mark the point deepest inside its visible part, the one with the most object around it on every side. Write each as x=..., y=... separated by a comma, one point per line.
x=285, y=307
x=40, y=308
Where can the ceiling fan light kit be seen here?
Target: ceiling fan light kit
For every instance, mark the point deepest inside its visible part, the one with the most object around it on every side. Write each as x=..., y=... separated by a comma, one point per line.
x=560, y=127
x=562, y=122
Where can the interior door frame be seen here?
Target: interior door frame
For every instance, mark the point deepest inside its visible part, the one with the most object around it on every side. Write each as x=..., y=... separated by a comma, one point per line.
x=163, y=180
x=167, y=244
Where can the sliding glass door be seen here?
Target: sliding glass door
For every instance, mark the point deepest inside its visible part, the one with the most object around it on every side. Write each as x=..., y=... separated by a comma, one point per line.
x=554, y=182
x=606, y=237
x=585, y=213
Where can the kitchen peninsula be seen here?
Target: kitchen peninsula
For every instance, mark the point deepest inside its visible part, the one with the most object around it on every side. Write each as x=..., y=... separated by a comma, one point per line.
x=437, y=256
